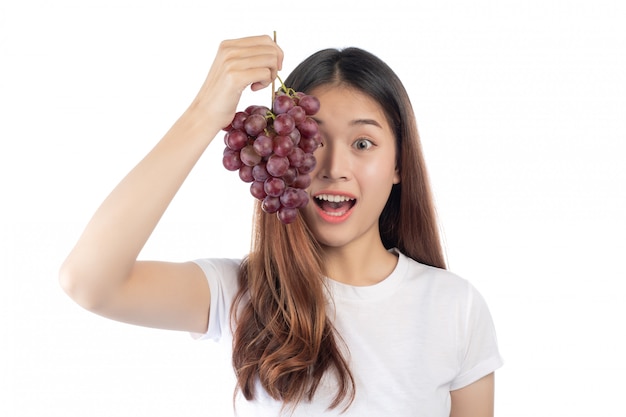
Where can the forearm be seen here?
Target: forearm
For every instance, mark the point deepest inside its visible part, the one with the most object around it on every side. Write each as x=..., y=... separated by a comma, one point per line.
x=107, y=250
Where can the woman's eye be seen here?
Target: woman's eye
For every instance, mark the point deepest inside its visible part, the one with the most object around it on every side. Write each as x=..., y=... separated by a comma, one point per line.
x=363, y=144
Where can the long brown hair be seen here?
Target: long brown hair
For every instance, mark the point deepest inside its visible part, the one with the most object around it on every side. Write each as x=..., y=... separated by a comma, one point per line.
x=283, y=337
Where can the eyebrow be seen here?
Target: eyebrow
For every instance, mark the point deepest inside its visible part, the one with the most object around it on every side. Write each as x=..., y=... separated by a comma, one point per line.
x=356, y=122
x=365, y=122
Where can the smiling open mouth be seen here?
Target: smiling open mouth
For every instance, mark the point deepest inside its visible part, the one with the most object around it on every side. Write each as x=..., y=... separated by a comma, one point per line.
x=334, y=205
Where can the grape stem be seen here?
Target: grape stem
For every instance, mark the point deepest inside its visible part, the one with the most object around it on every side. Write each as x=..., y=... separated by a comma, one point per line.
x=289, y=91
x=273, y=87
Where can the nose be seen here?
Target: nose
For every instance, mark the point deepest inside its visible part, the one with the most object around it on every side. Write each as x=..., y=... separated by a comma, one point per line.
x=333, y=163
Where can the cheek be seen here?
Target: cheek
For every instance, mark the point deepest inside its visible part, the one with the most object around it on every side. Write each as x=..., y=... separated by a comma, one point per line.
x=370, y=172
x=378, y=170
x=376, y=180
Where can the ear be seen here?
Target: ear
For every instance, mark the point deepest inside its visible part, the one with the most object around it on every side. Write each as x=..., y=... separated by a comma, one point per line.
x=396, y=176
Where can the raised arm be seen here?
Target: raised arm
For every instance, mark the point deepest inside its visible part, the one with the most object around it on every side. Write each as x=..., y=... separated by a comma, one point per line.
x=102, y=273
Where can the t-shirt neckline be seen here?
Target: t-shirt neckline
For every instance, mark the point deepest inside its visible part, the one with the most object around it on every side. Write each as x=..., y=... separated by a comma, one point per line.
x=381, y=289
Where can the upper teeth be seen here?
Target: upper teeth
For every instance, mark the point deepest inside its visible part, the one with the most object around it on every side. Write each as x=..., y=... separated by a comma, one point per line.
x=333, y=198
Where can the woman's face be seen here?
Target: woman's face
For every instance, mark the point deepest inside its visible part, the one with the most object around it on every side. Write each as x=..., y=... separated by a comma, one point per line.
x=355, y=171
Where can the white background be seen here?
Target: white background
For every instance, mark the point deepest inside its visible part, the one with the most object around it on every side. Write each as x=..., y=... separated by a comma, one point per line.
x=521, y=109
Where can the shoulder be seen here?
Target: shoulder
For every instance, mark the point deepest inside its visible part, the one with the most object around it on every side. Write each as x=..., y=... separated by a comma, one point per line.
x=220, y=266
x=433, y=279
x=442, y=289
x=221, y=273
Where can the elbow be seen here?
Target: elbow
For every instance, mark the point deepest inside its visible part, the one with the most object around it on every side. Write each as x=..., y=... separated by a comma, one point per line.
x=78, y=287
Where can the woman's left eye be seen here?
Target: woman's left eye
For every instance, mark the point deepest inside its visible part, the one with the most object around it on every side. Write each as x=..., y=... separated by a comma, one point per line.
x=363, y=144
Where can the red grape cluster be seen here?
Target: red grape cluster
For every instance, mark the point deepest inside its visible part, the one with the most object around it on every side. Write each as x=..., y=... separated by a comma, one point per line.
x=273, y=151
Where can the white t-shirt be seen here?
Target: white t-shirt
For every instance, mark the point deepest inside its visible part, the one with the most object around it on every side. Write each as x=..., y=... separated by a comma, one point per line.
x=412, y=338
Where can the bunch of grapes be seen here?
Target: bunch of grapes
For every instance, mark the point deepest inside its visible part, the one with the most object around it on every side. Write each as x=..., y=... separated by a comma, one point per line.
x=273, y=151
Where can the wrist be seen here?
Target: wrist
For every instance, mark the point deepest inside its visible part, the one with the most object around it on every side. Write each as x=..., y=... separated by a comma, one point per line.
x=196, y=124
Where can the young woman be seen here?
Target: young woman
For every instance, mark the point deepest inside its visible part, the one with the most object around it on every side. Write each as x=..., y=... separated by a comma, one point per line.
x=347, y=310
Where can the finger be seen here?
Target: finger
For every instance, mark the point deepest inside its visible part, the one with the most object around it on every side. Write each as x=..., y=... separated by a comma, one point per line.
x=260, y=70
x=255, y=45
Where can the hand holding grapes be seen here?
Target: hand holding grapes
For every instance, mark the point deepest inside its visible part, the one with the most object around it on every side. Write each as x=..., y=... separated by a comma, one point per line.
x=271, y=148
x=239, y=63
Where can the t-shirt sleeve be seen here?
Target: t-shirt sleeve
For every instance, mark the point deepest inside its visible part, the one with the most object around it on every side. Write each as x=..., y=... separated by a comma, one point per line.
x=221, y=275
x=479, y=354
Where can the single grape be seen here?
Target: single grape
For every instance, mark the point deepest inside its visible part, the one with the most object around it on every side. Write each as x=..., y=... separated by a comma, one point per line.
x=304, y=198
x=255, y=124
x=295, y=136
x=308, y=164
x=231, y=160
x=259, y=172
x=290, y=176
x=317, y=138
x=245, y=173
x=296, y=157
x=282, y=104
x=277, y=165
x=257, y=189
x=250, y=109
x=290, y=197
x=274, y=186
x=249, y=156
x=308, y=145
x=263, y=145
x=255, y=109
x=270, y=204
x=297, y=113
x=302, y=181
x=283, y=145
x=308, y=127
x=239, y=119
x=310, y=104
x=262, y=110
x=236, y=139
x=284, y=124
x=287, y=215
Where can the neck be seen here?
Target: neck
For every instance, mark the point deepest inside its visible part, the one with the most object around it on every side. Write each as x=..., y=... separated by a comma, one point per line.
x=359, y=264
